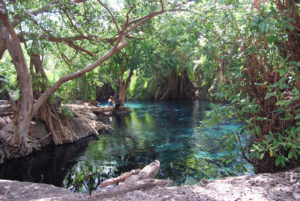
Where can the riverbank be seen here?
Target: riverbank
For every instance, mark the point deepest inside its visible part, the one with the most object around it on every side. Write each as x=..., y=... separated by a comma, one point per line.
x=283, y=186
x=85, y=121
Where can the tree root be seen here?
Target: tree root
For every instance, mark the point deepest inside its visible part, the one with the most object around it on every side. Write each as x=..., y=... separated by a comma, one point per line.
x=11, y=149
x=59, y=126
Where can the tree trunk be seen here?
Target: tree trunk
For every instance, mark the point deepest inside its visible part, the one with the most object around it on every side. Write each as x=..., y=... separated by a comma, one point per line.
x=123, y=85
x=59, y=126
x=16, y=142
x=20, y=143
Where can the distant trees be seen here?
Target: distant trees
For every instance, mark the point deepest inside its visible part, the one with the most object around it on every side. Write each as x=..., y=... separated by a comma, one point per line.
x=66, y=29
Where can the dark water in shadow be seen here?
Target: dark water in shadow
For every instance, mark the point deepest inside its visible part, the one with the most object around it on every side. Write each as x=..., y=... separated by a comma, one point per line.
x=166, y=131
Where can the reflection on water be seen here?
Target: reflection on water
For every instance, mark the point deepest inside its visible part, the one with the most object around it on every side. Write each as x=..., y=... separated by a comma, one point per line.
x=49, y=165
x=165, y=131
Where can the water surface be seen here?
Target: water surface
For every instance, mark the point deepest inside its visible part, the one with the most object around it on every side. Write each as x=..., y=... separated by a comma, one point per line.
x=164, y=131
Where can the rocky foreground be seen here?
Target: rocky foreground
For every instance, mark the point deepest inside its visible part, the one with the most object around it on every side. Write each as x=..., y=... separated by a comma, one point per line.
x=141, y=185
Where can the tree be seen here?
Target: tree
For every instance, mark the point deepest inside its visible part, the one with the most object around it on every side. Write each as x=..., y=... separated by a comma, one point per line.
x=259, y=72
x=14, y=138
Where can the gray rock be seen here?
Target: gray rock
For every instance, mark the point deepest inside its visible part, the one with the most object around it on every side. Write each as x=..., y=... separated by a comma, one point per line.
x=38, y=131
x=80, y=128
x=277, y=186
x=23, y=191
x=296, y=193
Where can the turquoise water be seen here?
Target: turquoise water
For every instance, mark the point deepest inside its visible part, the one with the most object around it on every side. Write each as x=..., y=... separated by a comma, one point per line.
x=168, y=132
x=164, y=131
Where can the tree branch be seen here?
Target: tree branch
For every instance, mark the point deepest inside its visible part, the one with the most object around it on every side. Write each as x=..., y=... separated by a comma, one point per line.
x=70, y=20
x=113, y=17
x=79, y=73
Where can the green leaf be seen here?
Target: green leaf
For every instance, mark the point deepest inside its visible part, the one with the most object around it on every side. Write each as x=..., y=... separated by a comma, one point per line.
x=283, y=102
x=261, y=118
x=262, y=155
x=268, y=95
x=291, y=154
x=259, y=84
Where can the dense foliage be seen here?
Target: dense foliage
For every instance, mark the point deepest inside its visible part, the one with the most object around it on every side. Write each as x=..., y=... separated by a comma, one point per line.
x=245, y=53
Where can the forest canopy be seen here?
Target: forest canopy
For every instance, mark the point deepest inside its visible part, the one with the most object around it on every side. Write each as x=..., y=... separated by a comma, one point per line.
x=244, y=53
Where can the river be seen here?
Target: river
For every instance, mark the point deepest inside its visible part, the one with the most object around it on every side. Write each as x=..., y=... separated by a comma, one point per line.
x=164, y=131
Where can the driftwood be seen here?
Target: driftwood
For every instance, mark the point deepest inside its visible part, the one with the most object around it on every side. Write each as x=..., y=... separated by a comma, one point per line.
x=120, y=178
x=142, y=180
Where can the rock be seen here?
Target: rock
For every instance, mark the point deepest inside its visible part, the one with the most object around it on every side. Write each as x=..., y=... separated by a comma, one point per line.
x=2, y=123
x=22, y=191
x=80, y=128
x=38, y=131
x=92, y=116
x=277, y=186
x=296, y=193
x=203, y=182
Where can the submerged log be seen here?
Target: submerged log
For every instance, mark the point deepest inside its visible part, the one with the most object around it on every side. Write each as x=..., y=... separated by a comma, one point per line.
x=143, y=180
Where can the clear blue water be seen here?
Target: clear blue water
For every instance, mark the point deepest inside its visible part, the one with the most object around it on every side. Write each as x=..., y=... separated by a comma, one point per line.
x=164, y=131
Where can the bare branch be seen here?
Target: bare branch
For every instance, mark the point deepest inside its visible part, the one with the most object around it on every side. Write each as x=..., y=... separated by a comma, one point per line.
x=162, y=5
x=113, y=17
x=141, y=21
x=71, y=22
x=127, y=15
x=77, y=47
x=63, y=56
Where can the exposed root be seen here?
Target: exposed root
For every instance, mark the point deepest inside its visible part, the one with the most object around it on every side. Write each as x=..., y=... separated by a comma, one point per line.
x=11, y=149
x=59, y=126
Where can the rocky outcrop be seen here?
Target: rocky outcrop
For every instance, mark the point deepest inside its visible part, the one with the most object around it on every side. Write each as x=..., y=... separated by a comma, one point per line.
x=85, y=122
x=22, y=191
x=140, y=185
